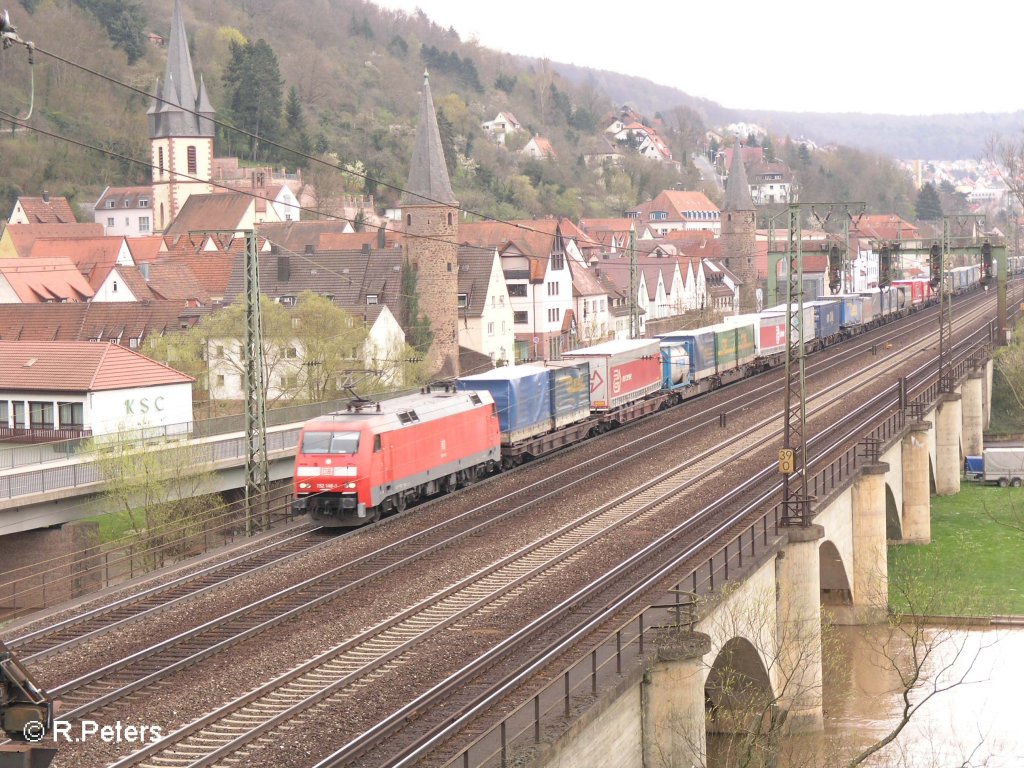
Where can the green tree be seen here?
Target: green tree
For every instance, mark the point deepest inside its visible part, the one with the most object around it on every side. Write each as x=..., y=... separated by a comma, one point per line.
x=296, y=122
x=329, y=341
x=125, y=22
x=164, y=486
x=929, y=207
x=253, y=85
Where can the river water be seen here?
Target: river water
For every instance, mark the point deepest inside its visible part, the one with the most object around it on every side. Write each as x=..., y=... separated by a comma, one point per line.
x=978, y=720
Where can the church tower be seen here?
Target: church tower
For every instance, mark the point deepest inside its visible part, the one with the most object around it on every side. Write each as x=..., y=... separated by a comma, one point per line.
x=181, y=143
x=431, y=216
x=739, y=231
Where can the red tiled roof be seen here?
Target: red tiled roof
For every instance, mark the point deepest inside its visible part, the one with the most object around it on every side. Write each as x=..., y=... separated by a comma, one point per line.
x=145, y=248
x=24, y=236
x=224, y=210
x=94, y=256
x=94, y=321
x=37, y=281
x=56, y=210
x=79, y=366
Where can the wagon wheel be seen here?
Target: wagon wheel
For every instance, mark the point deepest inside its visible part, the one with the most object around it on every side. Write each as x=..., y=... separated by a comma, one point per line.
x=400, y=503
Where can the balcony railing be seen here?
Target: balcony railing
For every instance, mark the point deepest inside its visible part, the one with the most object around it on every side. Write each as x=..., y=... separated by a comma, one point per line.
x=36, y=435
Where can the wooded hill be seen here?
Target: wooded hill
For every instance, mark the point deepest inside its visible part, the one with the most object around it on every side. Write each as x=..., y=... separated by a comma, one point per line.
x=356, y=71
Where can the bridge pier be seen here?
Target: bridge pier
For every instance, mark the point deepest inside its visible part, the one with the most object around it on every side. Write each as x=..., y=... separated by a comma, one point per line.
x=973, y=405
x=917, y=510
x=987, y=391
x=798, y=575
x=870, y=586
x=948, y=462
x=673, y=721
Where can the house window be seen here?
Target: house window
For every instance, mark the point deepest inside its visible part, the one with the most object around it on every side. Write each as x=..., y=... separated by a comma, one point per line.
x=40, y=415
x=287, y=301
x=371, y=298
x=218, y=352
x=143, y=202
x=553, y=314
x=127, y=221
x=557, y=260
x=114, y=289
x=72, y=415
x=133, y=342
x=291, y=353
x=520, y=318
x=4, y=412
x=490, y=329
x=289, y=381
x=552, y=289
x=192, y=165
x=516, y=289
x=160, y=160
x=220, y=379
x=19, y=415
x=143, y=223
x=463, y=301
x=110, y=221
x=111, y=203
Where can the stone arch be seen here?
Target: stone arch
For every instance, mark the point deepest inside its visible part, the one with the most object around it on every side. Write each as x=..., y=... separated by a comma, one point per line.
x=893, y=516
x=835, y=582
x=737, y=688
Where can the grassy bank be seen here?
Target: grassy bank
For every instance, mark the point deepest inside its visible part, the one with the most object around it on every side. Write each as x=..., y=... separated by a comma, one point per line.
x=975, y=563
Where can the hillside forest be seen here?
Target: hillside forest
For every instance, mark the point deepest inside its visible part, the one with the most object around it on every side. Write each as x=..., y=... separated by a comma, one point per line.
x=338, y=82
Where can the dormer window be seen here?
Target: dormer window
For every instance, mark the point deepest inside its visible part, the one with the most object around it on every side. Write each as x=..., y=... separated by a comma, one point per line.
x=287, y=301
x=371, y=298
x=111, y=203
x=143, y=202
x=463, y=300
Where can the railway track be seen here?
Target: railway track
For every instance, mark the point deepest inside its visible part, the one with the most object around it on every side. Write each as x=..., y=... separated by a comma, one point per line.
x=40, y=643
x=358, y=661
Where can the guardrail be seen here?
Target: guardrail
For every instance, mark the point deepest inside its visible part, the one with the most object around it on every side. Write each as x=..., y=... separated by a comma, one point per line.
x=87, y=473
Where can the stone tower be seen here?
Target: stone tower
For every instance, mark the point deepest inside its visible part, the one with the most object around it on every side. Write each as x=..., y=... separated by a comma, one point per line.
x=181, y=143
x=739, y=231
x=431, y=218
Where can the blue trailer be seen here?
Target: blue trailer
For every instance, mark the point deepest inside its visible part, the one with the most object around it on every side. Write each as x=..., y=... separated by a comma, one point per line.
x=522, y=395
x=852, y=310
x=569, y=381
x=699, y=344
x=826, y=319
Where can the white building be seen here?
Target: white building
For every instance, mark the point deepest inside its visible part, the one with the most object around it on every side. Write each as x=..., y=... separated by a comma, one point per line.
x=125, y=211
x=67, y=389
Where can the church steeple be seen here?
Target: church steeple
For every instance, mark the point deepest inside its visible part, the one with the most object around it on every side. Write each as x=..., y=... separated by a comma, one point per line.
x=431, y=241
x=739, y=232
x=737, y=188
x=181, y=131
x=428, y=177
x=178, y=97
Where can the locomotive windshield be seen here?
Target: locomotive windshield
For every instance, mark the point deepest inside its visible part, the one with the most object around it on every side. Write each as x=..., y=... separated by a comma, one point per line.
x=330, y=442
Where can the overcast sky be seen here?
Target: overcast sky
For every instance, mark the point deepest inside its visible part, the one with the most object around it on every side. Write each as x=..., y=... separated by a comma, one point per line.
x=905, y=57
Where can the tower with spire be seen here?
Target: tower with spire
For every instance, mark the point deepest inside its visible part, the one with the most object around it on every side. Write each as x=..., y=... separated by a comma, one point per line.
x=431, y=216
x=739, y=231
x=181, y=131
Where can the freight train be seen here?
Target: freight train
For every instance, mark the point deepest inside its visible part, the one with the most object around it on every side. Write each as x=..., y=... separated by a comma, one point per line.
x=353, y=466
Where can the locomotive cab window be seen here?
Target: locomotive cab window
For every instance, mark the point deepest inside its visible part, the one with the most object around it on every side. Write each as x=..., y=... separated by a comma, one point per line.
x=330, y=442
x=376, y=444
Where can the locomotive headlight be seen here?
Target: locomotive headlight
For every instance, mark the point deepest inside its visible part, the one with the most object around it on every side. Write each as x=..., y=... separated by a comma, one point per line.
x=304, y=486
x=350, y=486
x=307, y=471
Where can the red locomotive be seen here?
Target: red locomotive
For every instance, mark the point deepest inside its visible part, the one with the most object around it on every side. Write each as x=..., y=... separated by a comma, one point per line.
x=353, y=466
